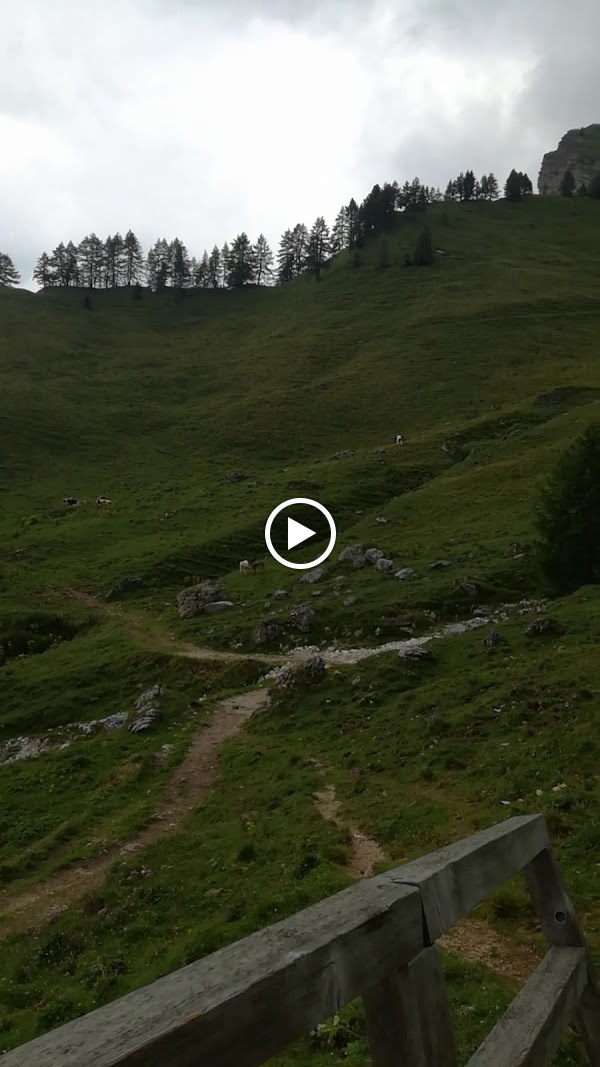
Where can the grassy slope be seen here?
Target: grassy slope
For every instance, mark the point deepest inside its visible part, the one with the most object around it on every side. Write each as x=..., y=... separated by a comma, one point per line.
x=153, y=402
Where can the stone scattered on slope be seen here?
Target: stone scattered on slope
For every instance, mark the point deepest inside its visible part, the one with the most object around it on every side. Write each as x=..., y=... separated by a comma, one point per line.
x=384, y=566
x=192, y=601
x=416, y=653
x=266, y=632
x=216, y=607
x=349, y=601
x=373, y=554
x=124, y=585
x=312, y=576
x=353, y=554
x=481, y=611
x=454, y=451
x=470, y=588
x=438, y=564
x=150, y=696
x=302, y=617
x=279, y=594
x=514, y=550
x=544, y=625
x=314, y=668
x=494, y=640
x=405, y=573
x=145, y=721
x=117, y=721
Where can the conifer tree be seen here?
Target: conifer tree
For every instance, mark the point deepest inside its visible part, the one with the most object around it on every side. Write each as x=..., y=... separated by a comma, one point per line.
x=340, y=233
x=513, y=187
x=43, y=274
x=352, y=216
x=285, y=258
x=224, y=259
x=300, y=247
x=594, y=188
x=241, y=264
x=263, y=261
x=180, y=264
x=318, y=248
x=9, y=274
x=133, y=259
x=212, y=268
x=567, y=185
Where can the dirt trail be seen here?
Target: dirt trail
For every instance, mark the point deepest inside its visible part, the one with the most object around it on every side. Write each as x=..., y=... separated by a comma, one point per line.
x=190, y=781
x=474, y=939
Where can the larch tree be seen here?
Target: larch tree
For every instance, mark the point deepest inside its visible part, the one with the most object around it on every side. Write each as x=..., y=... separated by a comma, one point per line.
x=300, y=246
x=223, y=266
x=91, y=261
x=43, y=274
x=285, y=258
x=214, y=268
x=9, y=274
x=567, y=185
x=241, y=264
x=318, y=248
x=133, y=259
x=263, y=261
x=513, y=190
x=180, y=264
x=340, y=233
x=353, y=223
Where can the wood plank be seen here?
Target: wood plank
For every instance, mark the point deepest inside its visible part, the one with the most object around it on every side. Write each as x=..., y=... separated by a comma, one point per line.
x=561, y=927
x=457, y=878
x=530, y=1031
x=248, y=1001
x=408, y=1017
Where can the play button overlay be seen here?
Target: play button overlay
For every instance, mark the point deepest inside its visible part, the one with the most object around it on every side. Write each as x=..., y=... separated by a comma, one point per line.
x=287, y=528
x=297, y=533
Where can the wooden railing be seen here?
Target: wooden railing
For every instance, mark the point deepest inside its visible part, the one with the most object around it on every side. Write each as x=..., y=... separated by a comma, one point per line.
x=247, y=1002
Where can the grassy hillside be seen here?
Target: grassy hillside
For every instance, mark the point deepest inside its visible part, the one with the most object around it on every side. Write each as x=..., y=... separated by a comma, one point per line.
x=156, y=403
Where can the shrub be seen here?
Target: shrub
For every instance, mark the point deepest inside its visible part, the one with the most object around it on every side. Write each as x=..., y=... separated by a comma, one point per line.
x=568, y=519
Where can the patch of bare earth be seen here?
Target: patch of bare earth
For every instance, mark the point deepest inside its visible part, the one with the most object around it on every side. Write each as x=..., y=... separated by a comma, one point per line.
x=472, y=939
x=191, y=780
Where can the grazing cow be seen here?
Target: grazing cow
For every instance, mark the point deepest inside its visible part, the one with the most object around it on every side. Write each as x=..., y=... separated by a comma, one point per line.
x=70, y=501
x=257, y=565
x=103, y=500
x=245, y=567
x=398, y=439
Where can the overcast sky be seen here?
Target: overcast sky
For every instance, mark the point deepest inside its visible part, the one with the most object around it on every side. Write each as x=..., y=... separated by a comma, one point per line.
x=203, y=118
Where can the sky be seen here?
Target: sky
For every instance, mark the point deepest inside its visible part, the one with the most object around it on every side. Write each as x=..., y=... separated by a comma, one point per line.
x=200, y=119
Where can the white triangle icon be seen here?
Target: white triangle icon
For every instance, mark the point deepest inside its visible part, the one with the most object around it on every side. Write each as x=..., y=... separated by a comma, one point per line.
x=297, y=533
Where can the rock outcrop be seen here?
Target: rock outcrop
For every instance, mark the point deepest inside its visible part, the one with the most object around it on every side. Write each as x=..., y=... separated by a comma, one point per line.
x=579, y=151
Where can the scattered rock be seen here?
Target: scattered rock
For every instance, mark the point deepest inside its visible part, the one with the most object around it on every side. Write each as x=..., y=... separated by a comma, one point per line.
x=266, y=632
x=438, y=564
x=217, y=606
x=349, y=601
x=344, y=454
x=493, y=640
x=405, y=573
x=470, y=588
x=384, y=566
x=286, y=677
x=280, y=594
x=403, y=622
x=116, y=722
x=514, y=550
x=312, y=576
x=353, y=554
x=149, y=697
x=302, y=617
x=563, y=394
x=454, y=451
x=481, y=611
x=192, y=601
x=316, y=592
x=373, y=554
x=145, y=721
x=544, y=625
x=381, y=520
x=302, y=483
x=416, y=653
x=125, y=585
x=379, y=451
x=314, y=668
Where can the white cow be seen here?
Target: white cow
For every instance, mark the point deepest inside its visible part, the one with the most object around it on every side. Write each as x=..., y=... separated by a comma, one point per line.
x=103, y=500
x=245, y=567
x=398, y=439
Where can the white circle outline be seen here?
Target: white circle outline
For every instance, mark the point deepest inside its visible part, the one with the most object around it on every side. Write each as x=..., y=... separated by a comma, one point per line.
x=313, y=504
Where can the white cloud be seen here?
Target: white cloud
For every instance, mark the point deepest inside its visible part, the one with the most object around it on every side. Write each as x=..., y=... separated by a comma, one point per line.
x=198, y=120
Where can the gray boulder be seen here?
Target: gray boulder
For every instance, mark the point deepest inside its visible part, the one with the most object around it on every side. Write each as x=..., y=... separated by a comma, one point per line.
x=353, y=554
x=349, y=601
x=514, y=550
x=149, y=697
x=116, y=722
x=192, y=601
x=217, y=606
x=312, y=576
x=405, y=573
x=280, y=594
x=384, y=566
x=373, y=554
x=438, y=564
x=314, y=668
x=494, y=640
x=482, y=611
x=416, y=653
x=286, y=677
x=266, y=632
x=544, y=625
x=470, y=588
x=145, y=721
x=302, y=617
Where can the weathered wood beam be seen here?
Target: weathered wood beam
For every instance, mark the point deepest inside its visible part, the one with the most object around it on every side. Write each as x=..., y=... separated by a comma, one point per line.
x=530, y=1031
x=408, y=1017
x=561, y=927
x=246, y=1002
x=457, y=878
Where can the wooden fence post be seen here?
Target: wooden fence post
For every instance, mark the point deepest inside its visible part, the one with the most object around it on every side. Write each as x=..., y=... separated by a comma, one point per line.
x=408, y=1017
x=561, y=927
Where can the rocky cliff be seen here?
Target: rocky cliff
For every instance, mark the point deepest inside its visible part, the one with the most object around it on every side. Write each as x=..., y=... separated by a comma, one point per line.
x=578, y=150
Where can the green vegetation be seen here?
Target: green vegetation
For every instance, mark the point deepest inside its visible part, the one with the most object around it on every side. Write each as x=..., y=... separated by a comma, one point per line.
x=196, y=413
